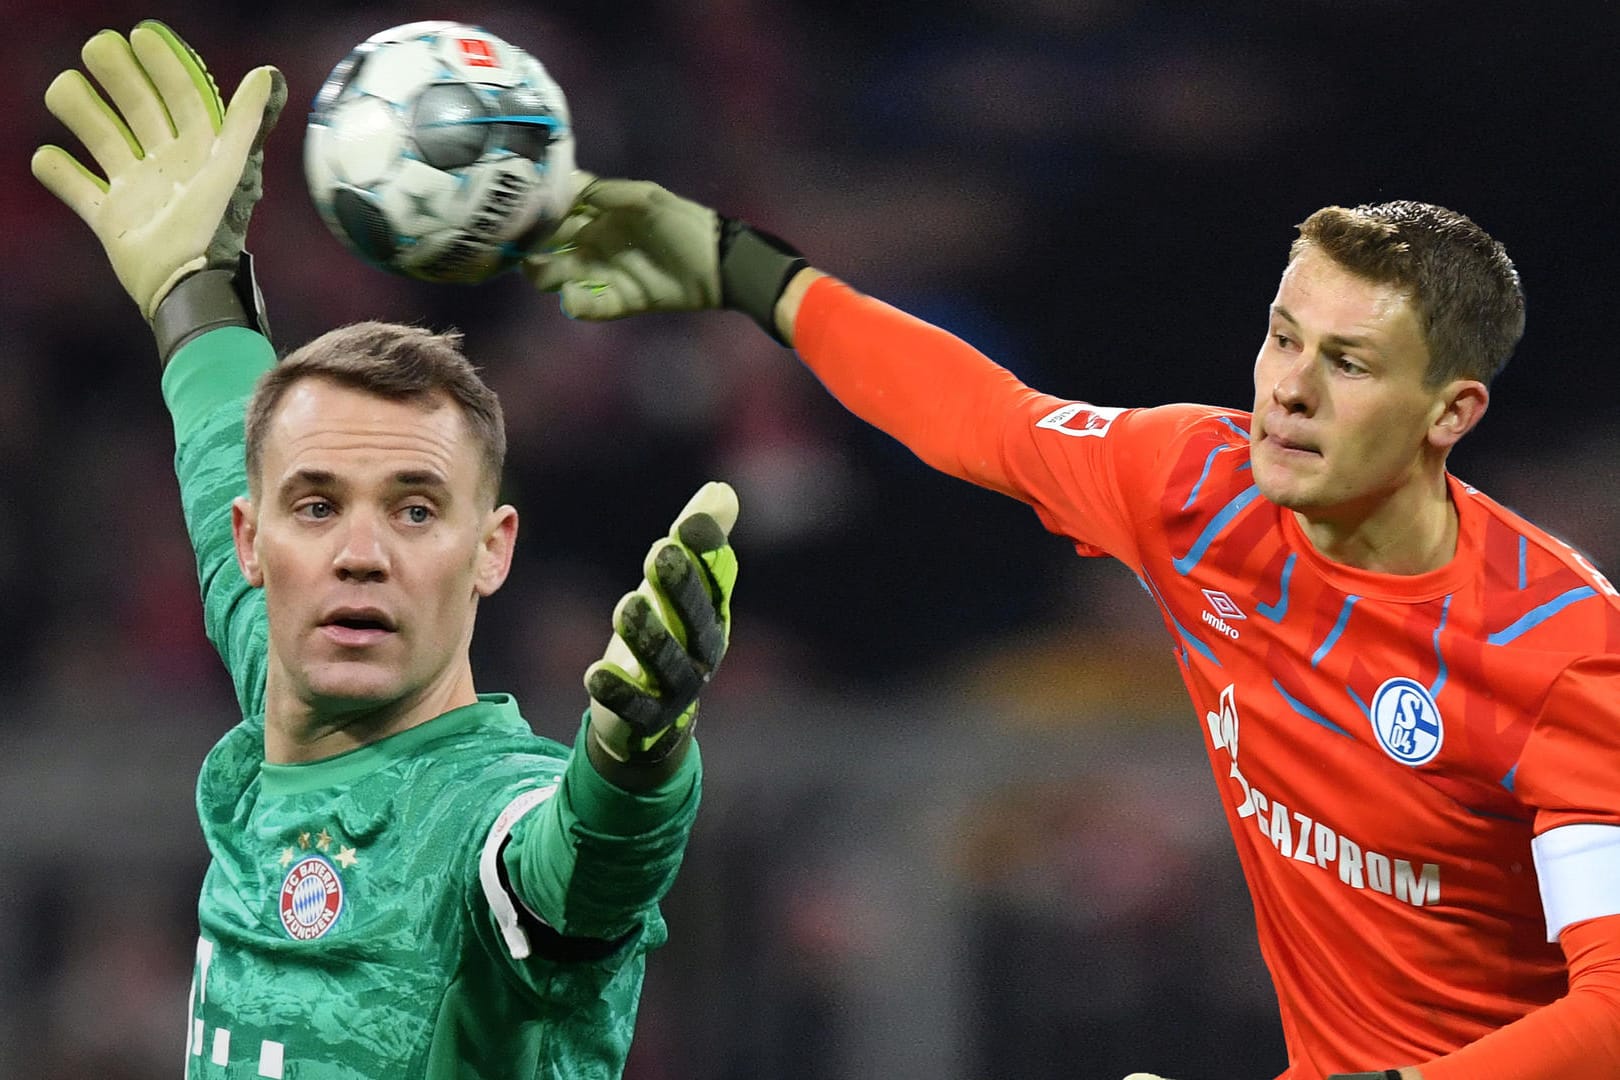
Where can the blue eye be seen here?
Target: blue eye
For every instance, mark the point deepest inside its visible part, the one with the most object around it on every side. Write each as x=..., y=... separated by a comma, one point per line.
x=418, y=514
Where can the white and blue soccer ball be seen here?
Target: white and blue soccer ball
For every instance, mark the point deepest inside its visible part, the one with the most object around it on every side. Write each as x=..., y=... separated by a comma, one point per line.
x=439, y=151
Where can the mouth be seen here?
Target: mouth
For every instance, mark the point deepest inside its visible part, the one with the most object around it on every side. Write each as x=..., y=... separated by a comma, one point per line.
x=1289, y=446
x=357, y=627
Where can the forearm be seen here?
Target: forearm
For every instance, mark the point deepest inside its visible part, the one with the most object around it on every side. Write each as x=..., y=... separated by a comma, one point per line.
x=596, y=856
x=206, y=387
x=1576, y=1037
x=940, y=397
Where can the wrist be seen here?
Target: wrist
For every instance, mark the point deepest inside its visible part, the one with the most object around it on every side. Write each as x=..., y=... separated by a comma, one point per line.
x=755, y=269
x=788, y=304
x=208, y=300
x=630, y=774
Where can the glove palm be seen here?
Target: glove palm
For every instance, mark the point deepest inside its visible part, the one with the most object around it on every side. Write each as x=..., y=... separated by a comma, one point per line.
x=182, y=171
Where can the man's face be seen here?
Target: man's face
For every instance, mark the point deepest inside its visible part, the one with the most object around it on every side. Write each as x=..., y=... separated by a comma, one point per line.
x=372, y=537
x=1342, y=418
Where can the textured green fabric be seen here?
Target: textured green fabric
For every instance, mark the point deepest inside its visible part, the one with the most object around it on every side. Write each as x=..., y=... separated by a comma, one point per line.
x=388, y=960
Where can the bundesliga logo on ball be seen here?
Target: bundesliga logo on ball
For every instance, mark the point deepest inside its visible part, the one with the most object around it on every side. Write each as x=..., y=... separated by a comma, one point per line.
x=439, y=151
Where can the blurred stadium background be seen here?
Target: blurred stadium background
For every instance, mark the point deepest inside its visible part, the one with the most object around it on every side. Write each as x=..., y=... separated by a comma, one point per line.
x=957, y=819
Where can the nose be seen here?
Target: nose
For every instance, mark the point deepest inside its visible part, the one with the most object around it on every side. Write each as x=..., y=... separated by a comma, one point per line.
x=1294, y=389
x=364, y=554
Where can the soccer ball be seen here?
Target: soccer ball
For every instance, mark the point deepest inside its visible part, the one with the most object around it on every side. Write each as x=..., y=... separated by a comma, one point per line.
x=439, y=151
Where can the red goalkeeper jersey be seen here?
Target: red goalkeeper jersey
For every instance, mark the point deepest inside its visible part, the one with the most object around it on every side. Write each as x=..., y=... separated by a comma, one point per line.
x=1394, y=752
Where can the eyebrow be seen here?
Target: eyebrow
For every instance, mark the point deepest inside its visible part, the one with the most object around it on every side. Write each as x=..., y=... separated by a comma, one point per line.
x=323, y=478
x=1339, y=340
x=420, y=478
x=315, y=478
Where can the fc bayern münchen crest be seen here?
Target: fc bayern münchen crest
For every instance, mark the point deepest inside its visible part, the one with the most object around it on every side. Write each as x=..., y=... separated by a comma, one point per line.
x=311, y=898
x=1407, y=721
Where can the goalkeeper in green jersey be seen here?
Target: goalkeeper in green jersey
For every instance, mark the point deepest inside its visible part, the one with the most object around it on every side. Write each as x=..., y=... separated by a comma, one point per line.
x=406, y=882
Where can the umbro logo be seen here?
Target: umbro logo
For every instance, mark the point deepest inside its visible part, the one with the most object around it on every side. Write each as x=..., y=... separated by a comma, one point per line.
x=1224, y=608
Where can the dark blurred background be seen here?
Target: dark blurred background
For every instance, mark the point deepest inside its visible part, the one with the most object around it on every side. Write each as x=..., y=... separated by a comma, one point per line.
x=957, y=821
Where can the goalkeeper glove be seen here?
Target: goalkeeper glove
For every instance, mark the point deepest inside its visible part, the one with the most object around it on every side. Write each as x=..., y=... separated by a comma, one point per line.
x=669, y=635
x=630, y=246
x=182, y=171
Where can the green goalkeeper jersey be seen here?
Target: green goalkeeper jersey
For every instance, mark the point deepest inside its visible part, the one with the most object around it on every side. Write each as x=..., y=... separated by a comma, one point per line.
x=462, y=899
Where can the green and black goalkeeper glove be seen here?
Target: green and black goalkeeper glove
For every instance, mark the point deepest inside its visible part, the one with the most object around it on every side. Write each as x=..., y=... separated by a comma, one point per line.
x=630, y=246
x=182, y=171
x=669, y=635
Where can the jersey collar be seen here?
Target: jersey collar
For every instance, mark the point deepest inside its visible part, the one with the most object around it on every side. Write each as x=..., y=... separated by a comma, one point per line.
x=1401, y=588
x=488, y=710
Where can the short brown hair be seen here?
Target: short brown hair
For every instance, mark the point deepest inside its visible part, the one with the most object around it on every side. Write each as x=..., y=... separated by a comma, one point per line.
x=1462, y=284
x=393, y=361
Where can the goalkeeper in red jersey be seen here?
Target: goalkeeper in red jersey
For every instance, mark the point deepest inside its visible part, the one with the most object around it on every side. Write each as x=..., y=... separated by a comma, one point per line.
x=1410, y=695
x=405, y=881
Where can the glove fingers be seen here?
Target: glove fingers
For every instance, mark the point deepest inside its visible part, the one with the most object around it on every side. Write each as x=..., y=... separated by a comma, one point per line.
x=72, y=100
x=254, y=110
x=621, y=695
x=717, y=499
x=63, y=176
x=550, y=272
x=705, y=538
x=582, y=180
x=187, y=89
x=593, y=301
x=562, y=237
x=685, y=587
x=630, y=283
x=112, y=61
x=676, y=679
x=560, y=241
x=618, y=194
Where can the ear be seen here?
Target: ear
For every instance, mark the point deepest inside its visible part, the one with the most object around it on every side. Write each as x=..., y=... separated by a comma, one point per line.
x=244, y=531
x=495, y=549
x=1462, y=405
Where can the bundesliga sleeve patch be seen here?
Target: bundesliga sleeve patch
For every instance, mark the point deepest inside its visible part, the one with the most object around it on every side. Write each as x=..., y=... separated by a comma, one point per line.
x=1080, y=419
x=311, y=898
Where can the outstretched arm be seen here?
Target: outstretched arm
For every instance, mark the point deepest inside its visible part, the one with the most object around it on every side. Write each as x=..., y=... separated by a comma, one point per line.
x=593, y=858
x=631, y=247
x=179, y=175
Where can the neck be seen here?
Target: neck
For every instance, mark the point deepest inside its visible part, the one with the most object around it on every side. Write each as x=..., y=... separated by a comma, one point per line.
x=301, y=727
x=1411, y=532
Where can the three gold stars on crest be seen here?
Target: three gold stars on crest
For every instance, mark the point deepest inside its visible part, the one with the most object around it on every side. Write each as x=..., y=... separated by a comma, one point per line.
x=346, y=856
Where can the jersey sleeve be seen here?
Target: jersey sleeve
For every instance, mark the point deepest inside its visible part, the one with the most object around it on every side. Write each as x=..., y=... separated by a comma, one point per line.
x=573, y=869
x=1079, y=466
x=1569, y=771
x=206, y=387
